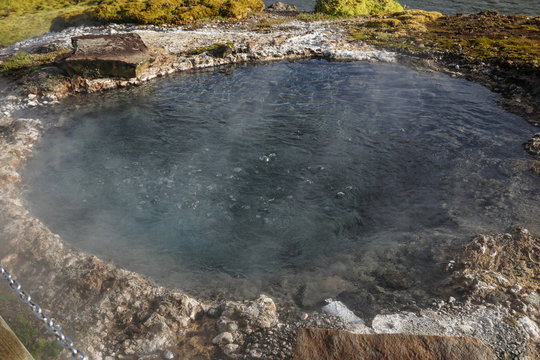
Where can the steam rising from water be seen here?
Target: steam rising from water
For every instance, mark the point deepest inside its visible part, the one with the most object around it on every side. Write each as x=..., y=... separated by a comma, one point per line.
x=272, y=178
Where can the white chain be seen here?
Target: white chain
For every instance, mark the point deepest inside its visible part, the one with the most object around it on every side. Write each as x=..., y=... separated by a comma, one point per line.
x=47, y=321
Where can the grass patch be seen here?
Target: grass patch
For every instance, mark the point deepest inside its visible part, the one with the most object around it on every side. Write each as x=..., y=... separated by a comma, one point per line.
x=23, y=61
x=32, y=339
x=17, y=25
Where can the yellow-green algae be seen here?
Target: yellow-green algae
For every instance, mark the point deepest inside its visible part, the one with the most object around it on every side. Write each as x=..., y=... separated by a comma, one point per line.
x=350, y=8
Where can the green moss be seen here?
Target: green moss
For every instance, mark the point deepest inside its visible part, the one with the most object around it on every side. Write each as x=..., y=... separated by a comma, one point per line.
x=350, y=8
x=208, y=48
x=24, y=61
x=158, y=12
x=383, y=23
x=32, y=338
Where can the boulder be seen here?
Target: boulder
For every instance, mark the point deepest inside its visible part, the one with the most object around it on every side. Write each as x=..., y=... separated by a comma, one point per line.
x=280, y=6
x=102, y=56
x=324, y=344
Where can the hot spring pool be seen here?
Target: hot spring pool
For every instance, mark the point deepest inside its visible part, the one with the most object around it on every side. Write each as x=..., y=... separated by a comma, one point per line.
x=302, y=180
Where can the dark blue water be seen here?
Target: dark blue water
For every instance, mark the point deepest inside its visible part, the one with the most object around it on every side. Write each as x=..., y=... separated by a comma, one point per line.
x=523, y=7
x=290, y=171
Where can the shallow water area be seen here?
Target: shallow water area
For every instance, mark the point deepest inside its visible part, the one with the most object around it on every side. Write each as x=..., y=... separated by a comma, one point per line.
x=302, y=180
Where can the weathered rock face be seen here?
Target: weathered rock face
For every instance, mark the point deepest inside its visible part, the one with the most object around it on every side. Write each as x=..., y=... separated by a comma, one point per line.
x=501, y=268
x=533, y=145
x=99, y=56
x=315, y=344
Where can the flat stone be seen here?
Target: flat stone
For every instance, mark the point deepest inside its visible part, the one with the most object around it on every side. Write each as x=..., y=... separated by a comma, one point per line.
x=102, y=56
x=323, y=344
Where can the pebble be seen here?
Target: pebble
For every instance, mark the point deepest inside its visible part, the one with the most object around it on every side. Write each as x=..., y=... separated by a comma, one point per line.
x=168, y=355
x=223, y=338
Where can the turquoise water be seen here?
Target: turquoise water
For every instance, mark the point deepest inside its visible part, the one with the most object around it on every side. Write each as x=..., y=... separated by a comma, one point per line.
x=524, y=7
x=236, y=180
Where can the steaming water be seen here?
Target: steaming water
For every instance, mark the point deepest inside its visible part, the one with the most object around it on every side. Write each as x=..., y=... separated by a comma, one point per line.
x=298, y=179
x=524, y=7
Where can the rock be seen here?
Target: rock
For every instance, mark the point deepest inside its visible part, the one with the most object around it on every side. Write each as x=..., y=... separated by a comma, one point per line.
x=319, y=344
x=101, y=56
x=533, y=145
x=529, y=326
x=396, y=280
x=260, y=313
x=223, y=339
x=230, y=349
x=337, y=308
x=168, y=355
x=221, y=51
x=279, y=6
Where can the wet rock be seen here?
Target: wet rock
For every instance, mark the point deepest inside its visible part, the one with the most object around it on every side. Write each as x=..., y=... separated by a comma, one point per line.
x=337, y=308
x=280, y=6
x=533, y=145
x=221, y=51
x=99, y=56
x=315, y=344
x=396, y=280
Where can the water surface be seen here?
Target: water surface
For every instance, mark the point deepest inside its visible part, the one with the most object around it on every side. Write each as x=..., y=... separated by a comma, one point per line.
x=302, y=180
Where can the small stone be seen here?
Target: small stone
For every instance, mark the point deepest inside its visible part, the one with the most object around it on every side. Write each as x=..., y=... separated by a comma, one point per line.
x=255, y=353
x=230, y=349
x=213, y=312
x=223, y=338
x=516, y=288
x=32, y=96
x=304, y=316
x=232, y=326
x=167, y=354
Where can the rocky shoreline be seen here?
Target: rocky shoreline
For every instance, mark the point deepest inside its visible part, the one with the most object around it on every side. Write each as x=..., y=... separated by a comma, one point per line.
x=113, y=313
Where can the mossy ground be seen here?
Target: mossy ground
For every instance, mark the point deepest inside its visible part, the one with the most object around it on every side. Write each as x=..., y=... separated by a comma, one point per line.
x=21, y=19
x=28, y=329
x=350, y=8
x=483, y=36
x=159, y=12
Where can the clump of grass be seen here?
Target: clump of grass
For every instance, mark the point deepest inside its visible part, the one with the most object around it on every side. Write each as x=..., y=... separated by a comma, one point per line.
x=158, y=12
x=351, y=8
x=25, y=61
x=208, y=48
x=31, y=337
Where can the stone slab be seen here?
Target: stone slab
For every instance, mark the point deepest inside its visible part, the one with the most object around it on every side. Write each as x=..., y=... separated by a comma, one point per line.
x=323, y=344
x=103, y=56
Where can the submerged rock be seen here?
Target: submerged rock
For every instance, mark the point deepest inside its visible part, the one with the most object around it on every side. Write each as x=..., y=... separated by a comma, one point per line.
x=314, y=344
x=99, y=56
